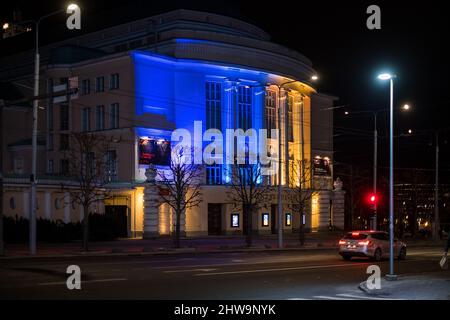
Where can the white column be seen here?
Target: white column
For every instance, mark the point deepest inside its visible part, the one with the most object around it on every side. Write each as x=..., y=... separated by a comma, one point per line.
x=338, y=209
x=151, y=211
x=48, y=205
x=67, y=206
x=26, y=204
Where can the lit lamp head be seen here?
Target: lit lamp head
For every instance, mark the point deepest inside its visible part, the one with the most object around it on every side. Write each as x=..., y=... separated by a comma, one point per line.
x=72, y=6
x=385, y=76
x=5, y=26
x=406, y=107
x=314, y=77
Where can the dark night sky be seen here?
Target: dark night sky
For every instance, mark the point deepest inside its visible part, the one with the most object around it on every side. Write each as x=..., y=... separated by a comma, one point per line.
x=345, y=53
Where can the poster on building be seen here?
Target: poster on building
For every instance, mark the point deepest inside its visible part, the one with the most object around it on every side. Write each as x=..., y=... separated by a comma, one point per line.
x=322, y=166
x=152, y=151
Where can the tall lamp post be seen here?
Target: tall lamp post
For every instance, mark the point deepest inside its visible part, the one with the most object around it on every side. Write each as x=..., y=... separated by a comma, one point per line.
x=405, y=107
x=384, y=77
x=32, y=216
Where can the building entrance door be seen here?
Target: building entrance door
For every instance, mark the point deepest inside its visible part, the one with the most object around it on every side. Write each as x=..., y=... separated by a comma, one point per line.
x=118, y=215
x=214, y=218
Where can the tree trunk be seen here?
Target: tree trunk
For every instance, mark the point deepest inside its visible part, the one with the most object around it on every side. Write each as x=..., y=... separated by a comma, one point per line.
x=248, y=212
x=177, y=229
x=86, y=228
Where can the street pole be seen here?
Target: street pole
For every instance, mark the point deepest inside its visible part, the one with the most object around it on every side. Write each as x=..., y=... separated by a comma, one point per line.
x=2, y=251
x=33, y=176
x=391, y=275
x=302, y=172
x=436, y=192
x=375, y=150
x=280, y=204
x=32, y=216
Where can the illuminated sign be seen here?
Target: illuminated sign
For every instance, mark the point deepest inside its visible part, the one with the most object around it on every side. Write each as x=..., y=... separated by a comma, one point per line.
x=152, y=151
x=235, y=220
x=288, y=221
x=265, y=219
x=322, y=166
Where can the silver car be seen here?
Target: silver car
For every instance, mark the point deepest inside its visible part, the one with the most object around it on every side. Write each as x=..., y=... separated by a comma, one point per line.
x=372, y=244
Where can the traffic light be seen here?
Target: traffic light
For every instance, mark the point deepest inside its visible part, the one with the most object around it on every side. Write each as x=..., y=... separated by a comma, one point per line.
x=372, y=199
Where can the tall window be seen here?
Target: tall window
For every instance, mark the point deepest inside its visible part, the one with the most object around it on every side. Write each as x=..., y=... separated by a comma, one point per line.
x=50, y=167
x=89, y=164
x=114, y=116
x=99, y=84
x=64, y=117
x=99, y=117
x=85, y=86
x=270, y=112
x=50, y=142
x=244, y=108
x=111, y=165
x=86, y=119
x=50, y=105
x=290, y=120
x=213, y=105
x=114, y=81
x=63, y=142
x=214, y=174
x=64, y=167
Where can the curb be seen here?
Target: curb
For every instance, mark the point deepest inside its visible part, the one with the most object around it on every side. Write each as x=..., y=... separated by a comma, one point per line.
x=375, y=292
x=162, y=253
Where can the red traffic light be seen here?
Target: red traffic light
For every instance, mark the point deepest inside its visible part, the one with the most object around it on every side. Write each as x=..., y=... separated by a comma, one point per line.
x=372, y=199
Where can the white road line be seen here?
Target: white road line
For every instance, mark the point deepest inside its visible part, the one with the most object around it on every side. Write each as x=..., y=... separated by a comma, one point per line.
x=281, y=269
x=363, y=297
x=331, y=298
x=82, y=282
x=189, y=270
x=299, y=299
x=245, y=263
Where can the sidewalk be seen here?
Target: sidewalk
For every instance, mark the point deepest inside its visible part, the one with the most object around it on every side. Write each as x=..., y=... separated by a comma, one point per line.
x=419, y=287
x=210, y=244
x=137, y=246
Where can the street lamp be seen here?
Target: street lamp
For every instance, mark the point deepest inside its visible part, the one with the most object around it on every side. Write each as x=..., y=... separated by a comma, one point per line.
x=390, y=77
x=34, y=131
x=405, y=107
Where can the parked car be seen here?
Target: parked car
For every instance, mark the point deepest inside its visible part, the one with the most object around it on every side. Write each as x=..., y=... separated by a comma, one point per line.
x=371, y=244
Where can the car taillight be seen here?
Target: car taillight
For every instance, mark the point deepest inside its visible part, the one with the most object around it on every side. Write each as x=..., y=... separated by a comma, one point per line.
x=364, y=243
x=342, y=242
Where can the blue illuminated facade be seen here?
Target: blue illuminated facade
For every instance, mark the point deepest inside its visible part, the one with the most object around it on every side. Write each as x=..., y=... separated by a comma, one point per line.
x=192, y=66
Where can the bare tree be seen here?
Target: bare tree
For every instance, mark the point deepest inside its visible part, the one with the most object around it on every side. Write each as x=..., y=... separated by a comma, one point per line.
x=300, y=192
x=87, y=168
x=248, y=190
x=180, y=188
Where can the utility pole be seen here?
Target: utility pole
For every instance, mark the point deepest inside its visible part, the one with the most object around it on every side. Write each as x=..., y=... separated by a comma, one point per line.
x=280, y=170
x=2, y=248
x=375, y=153
x=436, y=192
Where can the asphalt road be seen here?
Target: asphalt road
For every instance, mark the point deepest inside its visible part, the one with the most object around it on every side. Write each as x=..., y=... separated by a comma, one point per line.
x=312, y=274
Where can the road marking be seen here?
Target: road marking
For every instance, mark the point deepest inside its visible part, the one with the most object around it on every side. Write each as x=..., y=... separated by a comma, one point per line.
x=298, y=299
x=290, y=260
x=331, y=298
x=189, y=270
x=363, y=297
x=281, y=269
x=82, y=282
